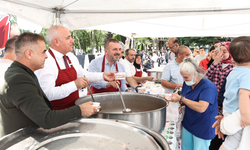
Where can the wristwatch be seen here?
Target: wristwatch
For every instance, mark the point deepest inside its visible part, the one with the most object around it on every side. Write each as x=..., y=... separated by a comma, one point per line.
x=182, y=99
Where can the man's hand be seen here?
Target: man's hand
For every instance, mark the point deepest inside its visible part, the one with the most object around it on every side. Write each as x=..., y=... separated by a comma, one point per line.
x=109, y=76
x=113, y=84
x=81, y=82
x=216, y=125
x=143, y=82
x=87, y=109
x=179, y=86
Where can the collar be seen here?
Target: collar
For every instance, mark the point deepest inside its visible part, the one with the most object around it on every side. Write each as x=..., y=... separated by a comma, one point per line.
x=175, y=61
x=16, y=63
x=107, y=62
x=57, y=54
x=128, y=61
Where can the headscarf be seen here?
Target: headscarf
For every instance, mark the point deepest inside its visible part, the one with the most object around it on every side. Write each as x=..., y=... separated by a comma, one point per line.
x=138, y=66
x=228, y=60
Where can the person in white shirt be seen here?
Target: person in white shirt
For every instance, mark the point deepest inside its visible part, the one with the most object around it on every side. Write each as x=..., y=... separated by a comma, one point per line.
x=201, y=56
x=5, y=62
x=62, y=78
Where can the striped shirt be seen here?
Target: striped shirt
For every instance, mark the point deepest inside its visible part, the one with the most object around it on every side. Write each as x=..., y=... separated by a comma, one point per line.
x=217, y=75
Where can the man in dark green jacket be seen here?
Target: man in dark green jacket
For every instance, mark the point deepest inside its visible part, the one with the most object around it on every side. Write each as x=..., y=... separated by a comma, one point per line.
x=22, y=101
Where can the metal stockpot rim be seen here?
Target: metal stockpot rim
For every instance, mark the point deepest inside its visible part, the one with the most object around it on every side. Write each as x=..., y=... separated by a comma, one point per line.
x=112, y=113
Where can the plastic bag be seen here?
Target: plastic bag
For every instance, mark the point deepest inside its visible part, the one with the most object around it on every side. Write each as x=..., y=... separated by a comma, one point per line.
x=174, y=111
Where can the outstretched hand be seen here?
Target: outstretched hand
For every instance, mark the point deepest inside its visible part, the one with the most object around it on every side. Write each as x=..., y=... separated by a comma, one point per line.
x=109, y=76
x=216, y=125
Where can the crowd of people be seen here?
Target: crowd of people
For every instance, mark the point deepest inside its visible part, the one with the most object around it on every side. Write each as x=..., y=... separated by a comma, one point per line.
x=40, y=87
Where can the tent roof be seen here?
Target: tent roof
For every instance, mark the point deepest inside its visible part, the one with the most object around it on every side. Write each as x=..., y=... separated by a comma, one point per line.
x=140, y=18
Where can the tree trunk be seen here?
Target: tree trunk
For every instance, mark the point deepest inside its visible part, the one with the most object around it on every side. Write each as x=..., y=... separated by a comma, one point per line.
x=92, y=41
x=96, y=39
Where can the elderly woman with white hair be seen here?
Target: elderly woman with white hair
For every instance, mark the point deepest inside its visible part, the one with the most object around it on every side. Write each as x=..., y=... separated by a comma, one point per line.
x=200, y=97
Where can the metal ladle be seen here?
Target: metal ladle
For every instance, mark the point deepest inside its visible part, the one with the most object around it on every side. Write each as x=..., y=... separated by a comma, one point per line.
x=91, y=93
x=89, y=90
x=125, y=110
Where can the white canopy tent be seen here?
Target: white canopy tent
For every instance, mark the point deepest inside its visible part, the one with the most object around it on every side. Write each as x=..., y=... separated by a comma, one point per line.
x=140, y=18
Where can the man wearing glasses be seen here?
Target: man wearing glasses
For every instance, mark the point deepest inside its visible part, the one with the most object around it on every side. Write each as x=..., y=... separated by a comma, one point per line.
x=173, y=44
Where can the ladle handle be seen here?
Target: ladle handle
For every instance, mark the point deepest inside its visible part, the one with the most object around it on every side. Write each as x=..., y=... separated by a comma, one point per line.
x=89, y=90
x=91, y=93
x=121, y=97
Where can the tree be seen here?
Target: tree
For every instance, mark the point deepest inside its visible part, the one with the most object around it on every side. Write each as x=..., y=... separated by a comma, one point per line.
x=99, y=39
x=44, y=34
x=92, y=40
x=84, y=40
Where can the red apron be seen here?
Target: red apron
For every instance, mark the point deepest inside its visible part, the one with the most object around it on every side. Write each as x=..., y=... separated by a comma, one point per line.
x=138, y=74
x=65, y=76
x=109, y=89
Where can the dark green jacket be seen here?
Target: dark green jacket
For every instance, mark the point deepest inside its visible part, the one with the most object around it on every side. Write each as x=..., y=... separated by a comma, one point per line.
x=23, y=103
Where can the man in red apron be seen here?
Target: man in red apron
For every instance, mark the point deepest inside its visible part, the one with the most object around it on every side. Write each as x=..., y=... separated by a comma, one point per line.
x=62, y=76
x=130, y=69
x=109, y=62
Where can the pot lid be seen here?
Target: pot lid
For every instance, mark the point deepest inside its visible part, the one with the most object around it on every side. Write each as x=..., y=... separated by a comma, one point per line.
x=87, y=134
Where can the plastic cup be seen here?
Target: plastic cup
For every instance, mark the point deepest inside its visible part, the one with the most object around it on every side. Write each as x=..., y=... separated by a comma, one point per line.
x=168, y=96
x=96, y=105
x=141, y=89
x=120, y=75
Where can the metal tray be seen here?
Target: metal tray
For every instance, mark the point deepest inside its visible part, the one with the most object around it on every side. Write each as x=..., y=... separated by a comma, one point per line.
x=86, y=134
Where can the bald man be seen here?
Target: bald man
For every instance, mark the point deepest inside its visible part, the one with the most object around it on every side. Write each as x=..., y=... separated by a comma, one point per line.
x=63, y=78
x=173, y=44
x=23, y=103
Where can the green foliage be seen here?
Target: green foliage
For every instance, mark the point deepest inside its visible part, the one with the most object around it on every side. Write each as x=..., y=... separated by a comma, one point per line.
x=196, y=41
x=117, y=36
x=84, y=40
x=44, y=33
x=99, y=38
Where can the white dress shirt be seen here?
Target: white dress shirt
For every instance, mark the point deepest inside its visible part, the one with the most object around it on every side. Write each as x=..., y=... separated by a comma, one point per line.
x=48, y=75
x=129, y=68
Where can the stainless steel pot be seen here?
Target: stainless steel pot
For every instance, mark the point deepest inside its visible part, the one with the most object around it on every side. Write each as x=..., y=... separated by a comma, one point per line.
x=87, y=134
x=147, y=110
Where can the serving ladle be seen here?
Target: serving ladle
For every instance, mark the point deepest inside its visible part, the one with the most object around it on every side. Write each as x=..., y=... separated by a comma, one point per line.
x=125, y=110
x=89, y=90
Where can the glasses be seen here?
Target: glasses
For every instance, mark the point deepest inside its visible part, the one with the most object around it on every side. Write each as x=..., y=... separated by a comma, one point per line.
x=172, y=46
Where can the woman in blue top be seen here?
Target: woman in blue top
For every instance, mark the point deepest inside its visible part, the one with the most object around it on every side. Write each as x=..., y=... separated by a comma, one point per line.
x=200, y=96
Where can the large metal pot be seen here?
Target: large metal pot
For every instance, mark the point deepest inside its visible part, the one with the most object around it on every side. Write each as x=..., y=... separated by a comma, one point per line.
x=87, y=134
x=147, y=110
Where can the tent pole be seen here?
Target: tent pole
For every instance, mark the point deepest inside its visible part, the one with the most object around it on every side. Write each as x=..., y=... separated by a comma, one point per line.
x=132, y=42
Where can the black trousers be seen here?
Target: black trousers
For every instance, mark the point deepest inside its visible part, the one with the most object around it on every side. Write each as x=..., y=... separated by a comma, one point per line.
x=216, y=143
